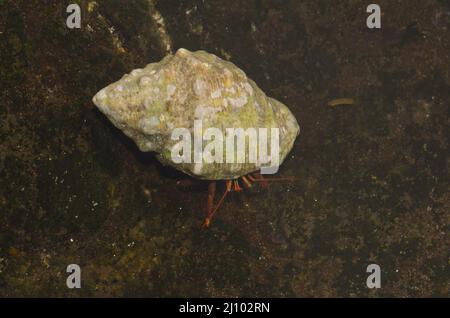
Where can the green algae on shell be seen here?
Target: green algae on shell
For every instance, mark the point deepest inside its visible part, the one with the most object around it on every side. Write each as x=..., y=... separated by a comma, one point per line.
x=149, y=103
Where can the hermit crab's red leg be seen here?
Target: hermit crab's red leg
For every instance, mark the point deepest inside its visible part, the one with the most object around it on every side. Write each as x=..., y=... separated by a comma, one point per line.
x=185, y=182
x=261, y=179
x=211, y=195
x=257, y=177
x=266, y=180
x=237, y=187
x=247, y=182
x=211, y=214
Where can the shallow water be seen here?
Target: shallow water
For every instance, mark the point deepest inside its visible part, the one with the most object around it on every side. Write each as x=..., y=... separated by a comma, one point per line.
x=371, y=177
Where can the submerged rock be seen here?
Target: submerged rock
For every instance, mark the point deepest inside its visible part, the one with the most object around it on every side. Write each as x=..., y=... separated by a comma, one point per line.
x=149, y=103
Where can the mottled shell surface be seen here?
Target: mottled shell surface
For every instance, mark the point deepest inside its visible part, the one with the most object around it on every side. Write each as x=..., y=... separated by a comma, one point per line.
x=149, y=103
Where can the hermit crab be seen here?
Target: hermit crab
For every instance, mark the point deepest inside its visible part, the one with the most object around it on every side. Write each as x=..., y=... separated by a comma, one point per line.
x=203, y=116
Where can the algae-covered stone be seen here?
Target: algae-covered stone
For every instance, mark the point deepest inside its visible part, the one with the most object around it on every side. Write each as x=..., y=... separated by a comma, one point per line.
x=149, y=103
